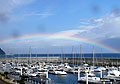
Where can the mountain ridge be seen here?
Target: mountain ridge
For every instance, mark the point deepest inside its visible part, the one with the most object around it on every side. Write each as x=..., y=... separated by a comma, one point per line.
x=2, y=52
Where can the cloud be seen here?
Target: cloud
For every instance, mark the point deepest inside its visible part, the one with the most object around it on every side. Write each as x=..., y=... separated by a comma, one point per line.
x=43, y=15
x=7, y=6
x=5, y=10
x=97, y=29
x=69, y=32
x=4, y=17
x=22, y=2
x=101, y=28
x=105, y=29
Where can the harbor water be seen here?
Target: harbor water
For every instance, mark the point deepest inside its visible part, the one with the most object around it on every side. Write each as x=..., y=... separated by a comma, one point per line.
x=98, y=55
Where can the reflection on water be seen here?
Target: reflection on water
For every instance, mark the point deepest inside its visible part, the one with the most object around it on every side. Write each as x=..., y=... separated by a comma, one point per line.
x=69, y=78
x=60, y=76
x=64, y=79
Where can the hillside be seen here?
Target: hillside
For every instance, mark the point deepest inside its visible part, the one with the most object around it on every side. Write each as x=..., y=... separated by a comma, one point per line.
x=2, y=52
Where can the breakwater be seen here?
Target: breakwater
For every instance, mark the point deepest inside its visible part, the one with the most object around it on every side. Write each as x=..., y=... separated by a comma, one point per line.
x=75, y=61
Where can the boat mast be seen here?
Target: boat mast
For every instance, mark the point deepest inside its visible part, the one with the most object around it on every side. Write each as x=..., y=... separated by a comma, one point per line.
x=62, y=55
x=101, y=58
x=117, y=61
x=73, y=54
x=47, y=55
x=30, y=54
x=75, y=57
x=93, y=56
x=81, y=54
x=53, y=57
x=36, y=56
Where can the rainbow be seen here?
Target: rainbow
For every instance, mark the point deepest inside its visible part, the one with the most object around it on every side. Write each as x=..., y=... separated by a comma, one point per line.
x=53, y=36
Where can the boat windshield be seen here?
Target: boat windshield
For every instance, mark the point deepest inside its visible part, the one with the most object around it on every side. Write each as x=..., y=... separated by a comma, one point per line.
x=91, y=75
x=59, y=70
x=112, y=74
x=42, y=70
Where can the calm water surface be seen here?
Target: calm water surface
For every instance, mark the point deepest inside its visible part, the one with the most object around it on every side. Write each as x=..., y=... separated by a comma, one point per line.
x=69, y=78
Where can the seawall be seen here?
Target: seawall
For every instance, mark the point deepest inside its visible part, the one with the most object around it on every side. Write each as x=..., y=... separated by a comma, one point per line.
x=76, y=61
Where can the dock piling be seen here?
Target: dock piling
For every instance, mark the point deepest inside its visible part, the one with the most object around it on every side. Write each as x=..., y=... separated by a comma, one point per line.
x=79, y=74
x=86, y=77
x=101, y=74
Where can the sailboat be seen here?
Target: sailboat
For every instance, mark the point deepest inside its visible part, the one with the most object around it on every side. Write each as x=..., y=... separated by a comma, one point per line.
x=30, y=51
x=89, y=77
x=59, y=72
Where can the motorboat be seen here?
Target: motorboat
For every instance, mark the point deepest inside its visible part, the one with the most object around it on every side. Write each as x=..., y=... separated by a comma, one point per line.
x=41, y=72
x=60, y=72
x=92, y=79
x=32, y=74
x=113, y=73
x=51, y=71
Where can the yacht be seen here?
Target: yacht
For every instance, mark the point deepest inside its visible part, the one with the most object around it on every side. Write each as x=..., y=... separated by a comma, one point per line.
x=113, y=73
x=73, y=70
x=60, y=72
x=92, y=79
x=41, y=72
x=32, y=74
x=51, y=71
x=66, y=67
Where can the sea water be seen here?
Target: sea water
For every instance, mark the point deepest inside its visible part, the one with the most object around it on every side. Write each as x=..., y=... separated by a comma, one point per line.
x=99, y=55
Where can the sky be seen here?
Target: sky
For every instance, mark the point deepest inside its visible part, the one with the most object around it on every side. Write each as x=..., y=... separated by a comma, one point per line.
x=96, y=20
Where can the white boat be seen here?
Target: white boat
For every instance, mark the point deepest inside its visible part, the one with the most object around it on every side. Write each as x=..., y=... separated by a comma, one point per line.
x=111, y=68
x=28, y=72
x=91, y=78
x=98, y=69
x=73, y=70
x=60, y=72
x=103, y=68
x=41, y=72
x=26, y=68
x=17, y=70
x=51, y=71
x=32, y=74
x=67, y=68
x=113, y=73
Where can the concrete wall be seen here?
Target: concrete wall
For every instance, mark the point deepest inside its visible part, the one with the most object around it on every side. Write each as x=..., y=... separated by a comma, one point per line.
x=97, y=61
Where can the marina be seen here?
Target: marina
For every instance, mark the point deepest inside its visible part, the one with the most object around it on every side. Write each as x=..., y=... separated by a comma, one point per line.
x=57, y=70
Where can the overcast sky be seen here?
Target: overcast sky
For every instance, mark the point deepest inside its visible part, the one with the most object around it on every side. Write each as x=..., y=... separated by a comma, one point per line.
x=96, y=20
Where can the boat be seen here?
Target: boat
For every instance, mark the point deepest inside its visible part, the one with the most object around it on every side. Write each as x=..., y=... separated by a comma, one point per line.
x=31, y=74
x=51, y=71
x=73, y=70
x=60, y=72
x=41, y=72
x=90, y=77
x=113, y=74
